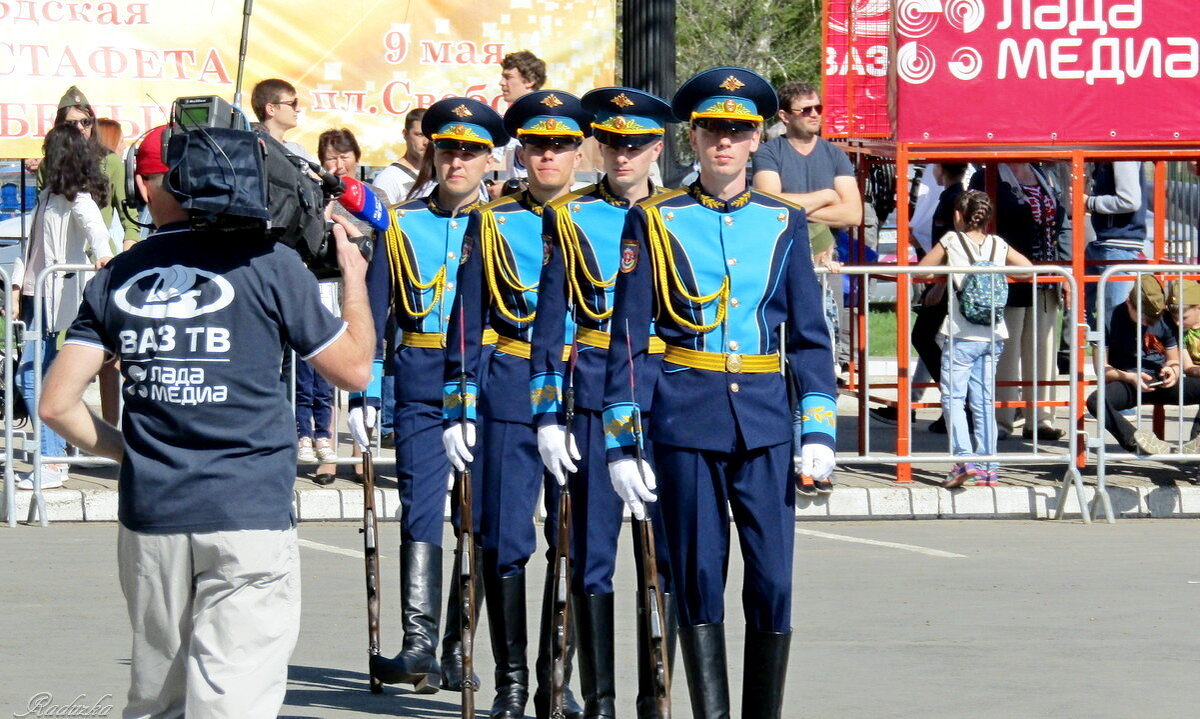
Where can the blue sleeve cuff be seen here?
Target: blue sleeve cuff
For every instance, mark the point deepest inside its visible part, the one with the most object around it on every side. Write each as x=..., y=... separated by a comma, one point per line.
x=546, y=392
x=452, y=402
x=818, y=419
x=618, y=427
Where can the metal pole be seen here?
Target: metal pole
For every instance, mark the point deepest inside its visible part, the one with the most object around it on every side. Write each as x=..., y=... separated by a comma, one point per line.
x=648, y=60
x=237, y=88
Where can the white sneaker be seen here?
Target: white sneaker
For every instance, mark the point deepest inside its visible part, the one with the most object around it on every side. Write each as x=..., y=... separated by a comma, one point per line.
x=52, y=478
x=325, y=450
x=305, y=454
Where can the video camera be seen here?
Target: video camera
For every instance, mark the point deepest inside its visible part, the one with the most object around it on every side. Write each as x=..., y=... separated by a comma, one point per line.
x=231, y=178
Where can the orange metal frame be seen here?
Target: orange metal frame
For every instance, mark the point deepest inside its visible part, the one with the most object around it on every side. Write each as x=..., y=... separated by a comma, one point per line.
x=905, y=154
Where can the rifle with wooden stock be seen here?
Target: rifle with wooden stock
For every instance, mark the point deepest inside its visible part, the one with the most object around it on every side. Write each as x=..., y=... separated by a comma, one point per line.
x=562, y=565
x=650, y=609
x=464, y=573
x=370, y=532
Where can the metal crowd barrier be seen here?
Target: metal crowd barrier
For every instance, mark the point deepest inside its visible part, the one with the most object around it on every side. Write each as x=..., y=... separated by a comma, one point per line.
x=10, y=500
x=1038, y=275
x=1098, y=340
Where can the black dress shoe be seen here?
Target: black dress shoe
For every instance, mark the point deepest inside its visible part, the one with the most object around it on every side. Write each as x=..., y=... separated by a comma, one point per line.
x=323, y=479
x=1047, y=434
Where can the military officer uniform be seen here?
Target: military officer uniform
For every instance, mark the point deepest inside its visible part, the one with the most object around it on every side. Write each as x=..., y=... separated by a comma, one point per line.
x=416, y=286
x=501, y=262
x=718, y=277
x=582, y=255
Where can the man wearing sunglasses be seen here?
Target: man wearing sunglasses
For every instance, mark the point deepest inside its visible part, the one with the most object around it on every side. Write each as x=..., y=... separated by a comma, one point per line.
x=498, y=273
x=277, y=108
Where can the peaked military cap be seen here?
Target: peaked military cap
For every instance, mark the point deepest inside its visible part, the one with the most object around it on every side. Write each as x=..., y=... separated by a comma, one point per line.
x=465, y=120
x=624, y=117
x=734, y=94
x=73, y=97
x=547, y=113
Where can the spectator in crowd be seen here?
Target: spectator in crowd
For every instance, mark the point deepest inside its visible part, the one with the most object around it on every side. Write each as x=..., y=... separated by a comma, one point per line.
x=67, y=228
x=277, y=107
x=1183, y=307
x=1144, y=366
x=396, y=181
x=74, y=109
x=340, y=154
x=1030, y=217
x=969, y=378
x=1117, y=207
x=108, y=131
x=521, y=73
x=812, y=172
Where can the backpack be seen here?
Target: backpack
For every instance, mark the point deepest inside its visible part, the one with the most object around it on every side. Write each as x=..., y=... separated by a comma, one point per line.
x=982, y=297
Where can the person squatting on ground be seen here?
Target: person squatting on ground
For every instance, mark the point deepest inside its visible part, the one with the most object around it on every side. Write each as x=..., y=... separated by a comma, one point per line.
x=971, y=346
x=748, y=270
x=67, y=228
x=578, y=277
x=498, y=272
x=207, y=552
x=1143, y=366
x=410, y=277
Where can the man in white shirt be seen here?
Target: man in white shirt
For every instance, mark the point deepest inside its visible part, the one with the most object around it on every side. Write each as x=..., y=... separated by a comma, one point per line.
x=277, y=107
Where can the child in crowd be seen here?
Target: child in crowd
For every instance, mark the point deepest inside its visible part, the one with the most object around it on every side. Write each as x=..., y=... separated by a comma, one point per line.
x=970, y=350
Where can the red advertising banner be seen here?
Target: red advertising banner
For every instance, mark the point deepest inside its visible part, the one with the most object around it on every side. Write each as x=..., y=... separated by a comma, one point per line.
x=1047, y=71
x=855, y=68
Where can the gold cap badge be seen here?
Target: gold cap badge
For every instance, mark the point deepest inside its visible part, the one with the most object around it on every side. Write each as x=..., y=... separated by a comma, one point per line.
x=732, y=84
x=551, y=100
x=622, y=101
x=462, y=111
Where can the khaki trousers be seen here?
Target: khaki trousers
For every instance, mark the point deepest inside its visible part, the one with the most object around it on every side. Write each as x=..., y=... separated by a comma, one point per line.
x=215, y=617
x=1020, y=361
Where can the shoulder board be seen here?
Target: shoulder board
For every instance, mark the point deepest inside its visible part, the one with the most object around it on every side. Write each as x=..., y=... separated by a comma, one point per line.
x=417, y=203
x=776, y=199
x=661, y=198
x=571, y=196
x=499, y=203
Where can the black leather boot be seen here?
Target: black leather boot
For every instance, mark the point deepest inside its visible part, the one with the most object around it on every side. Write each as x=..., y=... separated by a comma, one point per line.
x=647, y=701
x=506, y=619
x=541, y=698
x=597, y=675
x=765, y=675
x=421, y=597
x=707, y=676
x=452, y=652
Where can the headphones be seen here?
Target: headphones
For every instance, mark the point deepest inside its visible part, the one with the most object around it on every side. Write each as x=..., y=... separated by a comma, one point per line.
x=134, y=203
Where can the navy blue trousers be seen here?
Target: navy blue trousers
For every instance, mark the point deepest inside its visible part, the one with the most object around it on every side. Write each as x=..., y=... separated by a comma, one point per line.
x=513, y=477
x=314, y=402
x=597, y=514
x=422, y=473
x=697, y=489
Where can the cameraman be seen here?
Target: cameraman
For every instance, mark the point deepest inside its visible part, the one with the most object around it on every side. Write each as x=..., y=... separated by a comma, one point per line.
x=207, y=548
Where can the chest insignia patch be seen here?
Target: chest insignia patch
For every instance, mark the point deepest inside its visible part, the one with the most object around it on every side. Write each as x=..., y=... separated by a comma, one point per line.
x=466, y=249
x=629, y=255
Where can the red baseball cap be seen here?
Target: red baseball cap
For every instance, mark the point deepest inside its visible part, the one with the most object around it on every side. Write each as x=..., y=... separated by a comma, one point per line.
x=150, y=153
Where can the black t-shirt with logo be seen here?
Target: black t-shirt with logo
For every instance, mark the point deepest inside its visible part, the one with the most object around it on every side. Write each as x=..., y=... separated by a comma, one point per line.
x=200, y=323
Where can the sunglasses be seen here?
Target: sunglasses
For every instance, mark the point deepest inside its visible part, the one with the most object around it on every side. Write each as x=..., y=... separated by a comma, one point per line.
x=294, y=103
x=84, y=123
x=733, y=128
x=460, y=146
x=813, y=110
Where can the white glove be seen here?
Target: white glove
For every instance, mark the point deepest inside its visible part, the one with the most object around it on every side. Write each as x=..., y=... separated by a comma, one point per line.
x=816, y=461
x=458, y=444
x=450, y=479
x=557, y=449
x=361, y=422
x=630, y=486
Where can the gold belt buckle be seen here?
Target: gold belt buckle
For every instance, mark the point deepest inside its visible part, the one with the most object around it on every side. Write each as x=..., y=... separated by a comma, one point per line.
x=733, y=362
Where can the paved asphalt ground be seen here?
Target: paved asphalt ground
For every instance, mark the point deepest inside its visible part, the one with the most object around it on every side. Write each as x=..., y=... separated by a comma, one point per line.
x=1033, y=619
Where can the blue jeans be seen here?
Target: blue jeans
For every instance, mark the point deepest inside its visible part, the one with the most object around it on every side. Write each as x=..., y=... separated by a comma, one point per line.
x=1114, y=292
x=52, y=444
x=969, y=370
x=314, y=402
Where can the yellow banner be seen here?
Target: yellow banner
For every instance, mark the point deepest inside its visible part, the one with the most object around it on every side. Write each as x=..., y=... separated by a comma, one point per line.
x=359, y=64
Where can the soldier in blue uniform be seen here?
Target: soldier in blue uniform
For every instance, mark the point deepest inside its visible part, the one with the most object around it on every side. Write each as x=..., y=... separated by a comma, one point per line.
x=719, y=267
x=411, y=277
x=502, y=258
x=583, y=252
